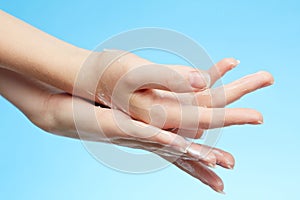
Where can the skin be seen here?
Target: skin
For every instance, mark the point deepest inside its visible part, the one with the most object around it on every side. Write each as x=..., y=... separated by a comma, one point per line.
x=43, y=71
x=122, y=80
x=52, y=110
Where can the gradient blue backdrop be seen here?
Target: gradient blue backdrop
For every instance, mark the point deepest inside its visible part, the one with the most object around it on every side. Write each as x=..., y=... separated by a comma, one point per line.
x=264, y=35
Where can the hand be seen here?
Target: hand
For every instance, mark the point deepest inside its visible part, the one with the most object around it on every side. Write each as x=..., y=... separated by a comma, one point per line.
x=52, y=111
x=171, y=148
x=166, y=96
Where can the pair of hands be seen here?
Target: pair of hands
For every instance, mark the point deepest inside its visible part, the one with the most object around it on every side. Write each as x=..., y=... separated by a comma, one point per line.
x=53, y=110
x=157, y=106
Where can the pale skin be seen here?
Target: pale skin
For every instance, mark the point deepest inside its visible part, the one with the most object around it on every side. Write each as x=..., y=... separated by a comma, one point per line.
x=41, y=104
x=31, y=52
x=29, y=58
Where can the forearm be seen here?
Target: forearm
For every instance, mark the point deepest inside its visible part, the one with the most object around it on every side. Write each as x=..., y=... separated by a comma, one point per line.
x=23, y=93
x=34, y=53
x=46, y=107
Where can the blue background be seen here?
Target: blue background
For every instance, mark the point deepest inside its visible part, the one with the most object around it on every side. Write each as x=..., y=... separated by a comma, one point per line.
x=264, y=35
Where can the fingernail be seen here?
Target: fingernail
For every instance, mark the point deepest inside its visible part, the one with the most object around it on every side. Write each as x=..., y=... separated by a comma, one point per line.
x=260, y=122
x=235, y=63
x=220, y=191
x=199, y=79
x=229, y=164
x=229, y=167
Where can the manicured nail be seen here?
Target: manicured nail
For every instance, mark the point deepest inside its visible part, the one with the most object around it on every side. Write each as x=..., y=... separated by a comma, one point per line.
x=199, y=79
x=220, y=191
x=234, y=63
x=229, y=167
x=228, y=164
x=259, y=122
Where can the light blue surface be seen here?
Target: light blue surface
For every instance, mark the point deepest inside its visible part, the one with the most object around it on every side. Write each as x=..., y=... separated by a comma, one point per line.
x=263, y=35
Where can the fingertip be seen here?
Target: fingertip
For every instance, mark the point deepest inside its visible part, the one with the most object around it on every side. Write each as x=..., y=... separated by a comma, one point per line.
x=229, y=164
x=251, y=116
x=210, y=159
x=231, y=62
x=257, y=118
x=218, y=186
x=267, y=78
x=221, y=192
x=224, y=159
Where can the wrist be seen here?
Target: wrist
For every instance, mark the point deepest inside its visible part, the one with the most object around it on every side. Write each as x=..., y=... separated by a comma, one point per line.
x=72, y=63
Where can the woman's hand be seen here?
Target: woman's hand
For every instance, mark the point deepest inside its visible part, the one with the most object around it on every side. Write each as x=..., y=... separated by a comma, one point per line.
x=168, y=96
x=57, y=112
x=53, y=111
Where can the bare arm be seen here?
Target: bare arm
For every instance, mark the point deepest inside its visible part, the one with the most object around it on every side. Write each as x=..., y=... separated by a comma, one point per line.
x=34, y=53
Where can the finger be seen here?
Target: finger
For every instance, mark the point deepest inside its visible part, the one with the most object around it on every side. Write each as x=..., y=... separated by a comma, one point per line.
x=109, y=130
x=122, y=126
x=135, y=133
x=202, y=173
x=166, y=77
x=108, y=125
x=222, y=96
x=168, y=141
x=208, y=158
x=224, y=158
x=194, y=117
x=220, y=68
x=192, y=150
x=218, y=156
x=222, y=117
x=149, y=146
x=172, y=114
